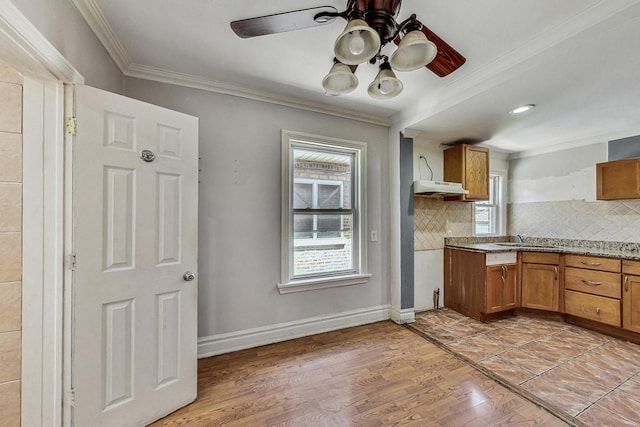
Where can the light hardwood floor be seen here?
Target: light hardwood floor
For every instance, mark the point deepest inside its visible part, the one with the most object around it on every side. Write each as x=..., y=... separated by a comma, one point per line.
x=374, y=375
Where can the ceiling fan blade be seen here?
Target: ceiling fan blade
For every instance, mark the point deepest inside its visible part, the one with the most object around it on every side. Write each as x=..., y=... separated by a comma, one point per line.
x=447, y=59
x=282, y=22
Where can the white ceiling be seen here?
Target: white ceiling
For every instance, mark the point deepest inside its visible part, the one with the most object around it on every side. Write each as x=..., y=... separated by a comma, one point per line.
x=577, y=60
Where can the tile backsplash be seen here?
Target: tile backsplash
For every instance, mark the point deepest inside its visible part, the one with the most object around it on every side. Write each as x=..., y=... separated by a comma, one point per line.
x=617, y=220
x=609, y=221
x=435, y=219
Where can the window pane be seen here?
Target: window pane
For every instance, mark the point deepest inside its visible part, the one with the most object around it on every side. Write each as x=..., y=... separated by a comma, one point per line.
x=331, y=252
x=487, y=212
x=329, y=225
x=302, y=196
x=303, y=226
x=329, y=196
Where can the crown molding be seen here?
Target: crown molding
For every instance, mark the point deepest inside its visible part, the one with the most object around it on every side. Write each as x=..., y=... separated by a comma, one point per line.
x=187, y=80
x=31, y=52
x=96, y=20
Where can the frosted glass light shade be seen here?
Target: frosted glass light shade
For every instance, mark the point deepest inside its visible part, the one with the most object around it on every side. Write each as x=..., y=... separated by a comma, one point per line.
x=340, y=80
x=385, y=86
x=358, y=43
x=413, y=52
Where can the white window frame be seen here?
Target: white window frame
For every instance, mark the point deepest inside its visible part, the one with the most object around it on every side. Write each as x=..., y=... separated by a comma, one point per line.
x=499, y=205
x=359, y=275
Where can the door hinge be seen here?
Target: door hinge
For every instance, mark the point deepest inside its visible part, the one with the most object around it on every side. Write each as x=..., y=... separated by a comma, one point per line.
x=71, y=125
x=71, y=262
x=71, y=397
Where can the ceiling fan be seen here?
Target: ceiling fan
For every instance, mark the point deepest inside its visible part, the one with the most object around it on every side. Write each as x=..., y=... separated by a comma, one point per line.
x=371, y=24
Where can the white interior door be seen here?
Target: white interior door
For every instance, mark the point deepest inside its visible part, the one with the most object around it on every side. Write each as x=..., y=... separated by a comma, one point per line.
x=134, y=317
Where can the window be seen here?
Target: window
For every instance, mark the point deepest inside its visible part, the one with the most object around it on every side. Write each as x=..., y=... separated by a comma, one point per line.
x=489, y=215
x=323, y=213
x=317, y=194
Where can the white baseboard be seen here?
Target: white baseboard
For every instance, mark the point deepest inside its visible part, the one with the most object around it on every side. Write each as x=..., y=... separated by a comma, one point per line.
x=240, y=340
x=408, y=315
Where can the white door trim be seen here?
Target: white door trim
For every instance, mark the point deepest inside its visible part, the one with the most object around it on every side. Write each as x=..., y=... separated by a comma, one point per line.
x=42, y=276
x=27, y=50
x=24, y=48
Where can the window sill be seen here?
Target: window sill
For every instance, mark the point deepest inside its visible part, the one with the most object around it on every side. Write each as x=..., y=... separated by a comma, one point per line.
x=322, y=283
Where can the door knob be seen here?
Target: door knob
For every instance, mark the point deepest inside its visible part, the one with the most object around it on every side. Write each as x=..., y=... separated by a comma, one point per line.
x=188, y=276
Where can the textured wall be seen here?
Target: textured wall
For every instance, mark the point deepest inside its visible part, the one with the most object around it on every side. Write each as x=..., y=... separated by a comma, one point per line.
x=617, y=221
x=436, y=219
x=10, y=245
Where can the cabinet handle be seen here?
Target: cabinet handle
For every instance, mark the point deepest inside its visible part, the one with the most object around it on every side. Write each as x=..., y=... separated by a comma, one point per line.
x=555, y=272
x=593, y=264
x=504, y=279
x=598, y=310
x=626, y=283
x=591, y=283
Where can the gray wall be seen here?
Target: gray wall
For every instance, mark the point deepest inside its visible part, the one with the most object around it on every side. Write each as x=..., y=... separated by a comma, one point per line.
x=406, y=223
x=61, y=23
x=625, y=148
x=240, y=150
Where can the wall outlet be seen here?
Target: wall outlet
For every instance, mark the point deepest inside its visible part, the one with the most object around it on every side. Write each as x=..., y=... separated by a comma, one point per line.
x=374, y=236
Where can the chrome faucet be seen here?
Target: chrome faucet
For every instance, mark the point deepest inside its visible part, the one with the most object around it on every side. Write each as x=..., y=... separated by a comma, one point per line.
x=521, y=237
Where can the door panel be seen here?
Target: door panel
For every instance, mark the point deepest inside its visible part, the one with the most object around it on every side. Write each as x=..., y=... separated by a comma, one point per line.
x=134, y=317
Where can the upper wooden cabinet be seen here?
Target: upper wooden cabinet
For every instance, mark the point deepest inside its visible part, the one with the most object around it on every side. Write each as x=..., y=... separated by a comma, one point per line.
x=617, y=180
x=468, y=165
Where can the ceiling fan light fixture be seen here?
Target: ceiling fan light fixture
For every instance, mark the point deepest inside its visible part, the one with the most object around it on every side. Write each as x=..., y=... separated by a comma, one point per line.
x=340, y=80
x=358, y=43
x=414, y=52
x=386, y=85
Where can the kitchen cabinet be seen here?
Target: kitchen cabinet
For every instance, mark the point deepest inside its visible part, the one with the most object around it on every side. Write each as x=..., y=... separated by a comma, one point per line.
x=631, y=295
x=592, y=288
x=540, y=281
x=474, y=285
x=619, y=179
x=502, y=292
x=468, y=165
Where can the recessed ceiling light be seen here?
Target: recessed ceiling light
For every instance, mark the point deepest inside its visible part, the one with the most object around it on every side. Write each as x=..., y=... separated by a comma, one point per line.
x=522, y=109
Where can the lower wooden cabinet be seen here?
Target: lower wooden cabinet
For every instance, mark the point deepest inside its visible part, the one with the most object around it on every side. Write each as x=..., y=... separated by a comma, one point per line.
x=631, y=295
x=540, y=281
x=478, y=283
x=592, y=288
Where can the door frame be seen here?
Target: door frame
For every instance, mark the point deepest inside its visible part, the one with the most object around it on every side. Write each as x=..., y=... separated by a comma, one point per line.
x=45, y=69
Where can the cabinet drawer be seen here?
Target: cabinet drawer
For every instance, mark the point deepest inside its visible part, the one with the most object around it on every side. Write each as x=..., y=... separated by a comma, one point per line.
x=592, y=263
x=540, y=258
x=600, y=309
x=631, y=267
x=593, y=282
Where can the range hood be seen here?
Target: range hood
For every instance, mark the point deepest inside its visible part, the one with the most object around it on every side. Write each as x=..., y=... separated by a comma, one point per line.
x=437, y=188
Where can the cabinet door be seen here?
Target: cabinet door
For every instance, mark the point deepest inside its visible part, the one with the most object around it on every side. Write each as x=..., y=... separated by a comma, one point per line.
x=496, y=283
x=631, y=302
x=510, y=295
x=468, y=165
x=501, y=285
x=619, y=179
x=477, y=173
x=540, y=286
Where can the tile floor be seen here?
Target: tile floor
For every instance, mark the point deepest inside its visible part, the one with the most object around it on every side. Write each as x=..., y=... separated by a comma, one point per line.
x=590, y=378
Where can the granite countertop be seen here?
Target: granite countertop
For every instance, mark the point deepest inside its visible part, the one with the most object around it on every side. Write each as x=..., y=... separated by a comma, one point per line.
x=578, y=247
